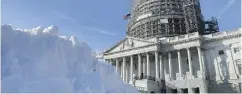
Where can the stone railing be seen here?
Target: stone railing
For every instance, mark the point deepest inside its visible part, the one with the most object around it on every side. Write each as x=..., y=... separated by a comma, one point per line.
x=140, y=88
x=155, y=39
x=222, y=34
x=179, y=38
x=170, y=85
x=182, y=37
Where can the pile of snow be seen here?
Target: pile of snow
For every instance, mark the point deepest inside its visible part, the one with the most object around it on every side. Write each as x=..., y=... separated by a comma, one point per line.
x=39, y=60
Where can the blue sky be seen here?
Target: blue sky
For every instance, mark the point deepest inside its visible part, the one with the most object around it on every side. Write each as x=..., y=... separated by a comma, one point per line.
x=99, y=22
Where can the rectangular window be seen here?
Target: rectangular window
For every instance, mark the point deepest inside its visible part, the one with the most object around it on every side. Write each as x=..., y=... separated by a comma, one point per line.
x=174, y=90
x=196, y=90
x=185, y=90
x=221, y=52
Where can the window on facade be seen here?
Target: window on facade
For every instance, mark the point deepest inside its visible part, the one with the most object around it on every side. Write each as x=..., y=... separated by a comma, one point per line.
x=185, y=90
x=174, y=90
x=239, y=66
x=236, y=49
x=221, y=52
x=176, y=20
x=196, y=90
x=173, y=5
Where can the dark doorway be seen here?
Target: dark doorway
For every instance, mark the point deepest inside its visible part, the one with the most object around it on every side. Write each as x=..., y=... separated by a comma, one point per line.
x=196, y=90
x=163, y=90
x=152, y=91
x=185, y=90
x=174, y=90
x=142, y=74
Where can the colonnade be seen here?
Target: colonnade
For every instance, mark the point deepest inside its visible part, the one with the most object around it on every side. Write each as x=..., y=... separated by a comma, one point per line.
x=159, y=64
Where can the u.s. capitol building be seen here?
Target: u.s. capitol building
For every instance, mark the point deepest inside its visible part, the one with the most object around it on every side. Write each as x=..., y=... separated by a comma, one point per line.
x=170, y=48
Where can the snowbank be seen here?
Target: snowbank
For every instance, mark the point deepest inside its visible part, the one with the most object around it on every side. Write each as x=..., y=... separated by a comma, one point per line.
x=39, y=60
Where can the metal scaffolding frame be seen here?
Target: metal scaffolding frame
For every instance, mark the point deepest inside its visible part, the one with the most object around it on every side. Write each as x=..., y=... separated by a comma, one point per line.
x=165, y=18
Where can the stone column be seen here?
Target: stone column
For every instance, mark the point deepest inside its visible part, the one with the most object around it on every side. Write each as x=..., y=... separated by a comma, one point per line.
x=121, y=69
x=117, y=64
x=124, y=69
x=203, y=62
x=139, y=65
x=165, y=66
x=190, y=62
x=144, y=68
x=200, y=60
x=126, y=73
x=170, y=66
x=156, y=66
x=212, y=54
x=161, y=67
x=179, y=62
x=131, y=67
x=235, y=71
x=148, y=65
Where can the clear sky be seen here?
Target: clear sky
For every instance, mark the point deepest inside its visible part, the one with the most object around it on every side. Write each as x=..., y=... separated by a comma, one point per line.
x=99, y=22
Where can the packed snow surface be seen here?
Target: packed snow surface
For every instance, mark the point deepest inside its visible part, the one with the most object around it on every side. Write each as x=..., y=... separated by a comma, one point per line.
x=39, y=60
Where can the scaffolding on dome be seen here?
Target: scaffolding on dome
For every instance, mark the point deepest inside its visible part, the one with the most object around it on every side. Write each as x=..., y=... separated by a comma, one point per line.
x=182, y=17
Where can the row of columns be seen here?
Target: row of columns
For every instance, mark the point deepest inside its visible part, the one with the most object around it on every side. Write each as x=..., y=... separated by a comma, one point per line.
x=159, y=65
x=200, y=60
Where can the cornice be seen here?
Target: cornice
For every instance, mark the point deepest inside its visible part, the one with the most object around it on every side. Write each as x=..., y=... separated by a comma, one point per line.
x=222, y=37
x=185, y=41
x=143, y=40
x=153, y=44
x=203, y=38
x=110, y=48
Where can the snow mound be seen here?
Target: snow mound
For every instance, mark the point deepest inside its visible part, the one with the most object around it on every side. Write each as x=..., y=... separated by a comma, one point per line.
x=40, y=61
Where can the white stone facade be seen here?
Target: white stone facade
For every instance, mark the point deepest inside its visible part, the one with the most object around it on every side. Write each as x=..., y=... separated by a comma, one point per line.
x=185, y=63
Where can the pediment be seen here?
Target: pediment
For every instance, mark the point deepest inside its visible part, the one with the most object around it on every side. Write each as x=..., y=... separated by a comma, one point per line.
x=128, y=43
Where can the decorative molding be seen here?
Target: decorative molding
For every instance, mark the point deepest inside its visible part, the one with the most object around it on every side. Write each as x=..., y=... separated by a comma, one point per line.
x=112, y=47
x=139, y=39
x=131, y=49
x=227, y=36
x=127, y=44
